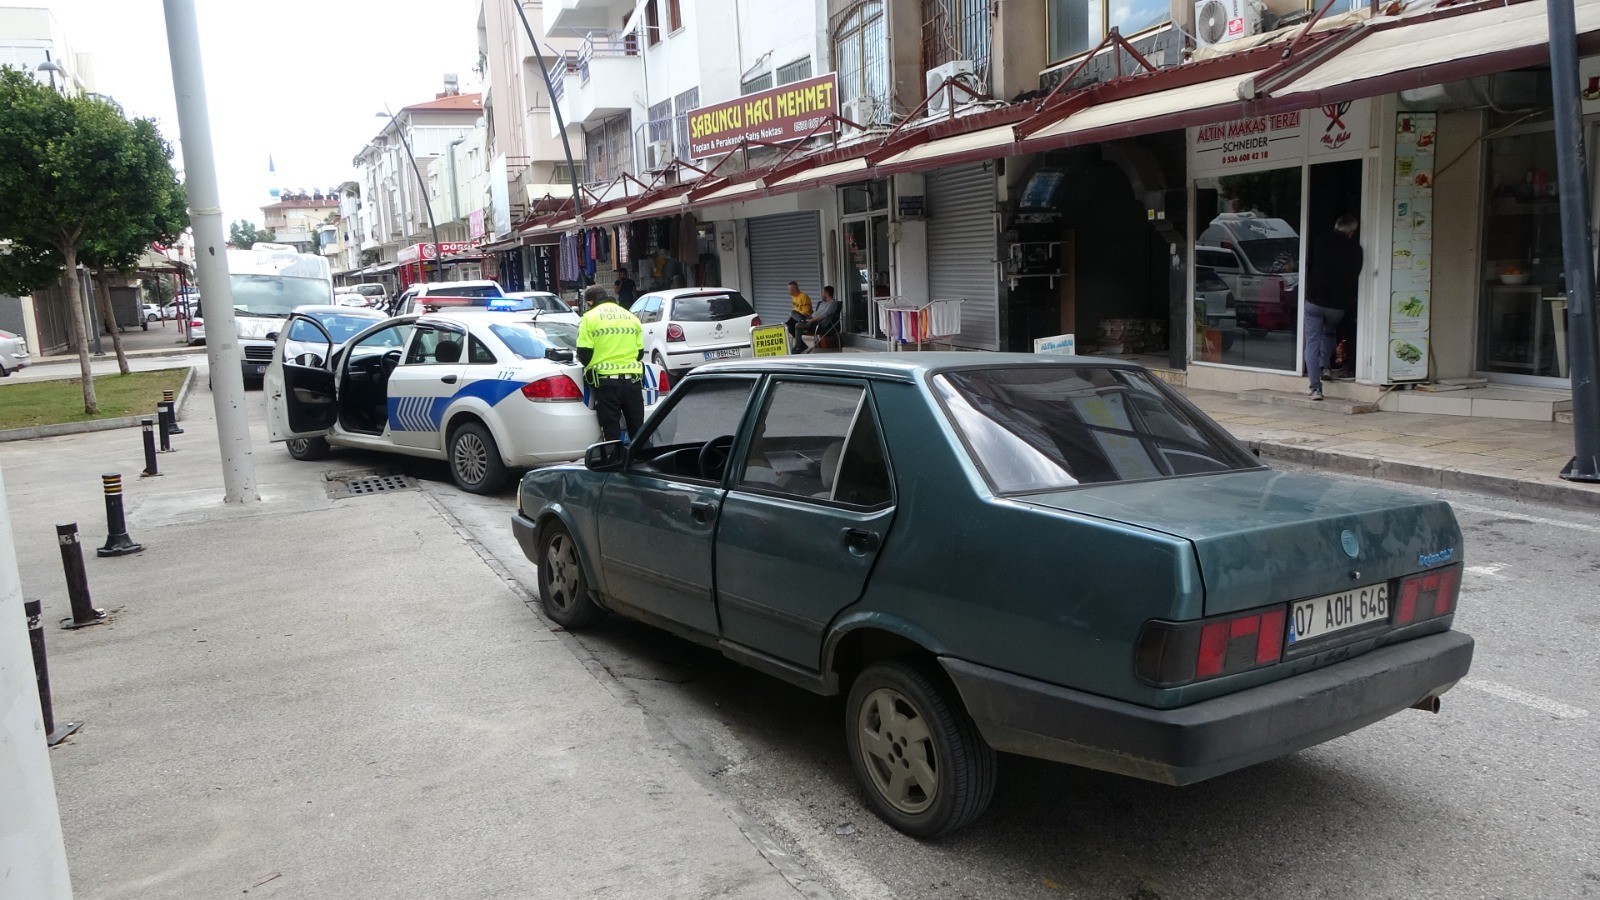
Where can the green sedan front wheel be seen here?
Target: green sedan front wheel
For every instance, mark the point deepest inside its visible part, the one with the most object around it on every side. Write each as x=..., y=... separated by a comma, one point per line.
x=563, y=589
x=925, y=767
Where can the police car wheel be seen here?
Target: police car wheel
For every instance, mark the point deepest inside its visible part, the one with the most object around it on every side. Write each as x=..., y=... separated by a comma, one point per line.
x=475, y=460
x=309, y=448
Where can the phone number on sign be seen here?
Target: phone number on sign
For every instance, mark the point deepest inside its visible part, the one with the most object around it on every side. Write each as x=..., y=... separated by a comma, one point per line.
x=1246, y=157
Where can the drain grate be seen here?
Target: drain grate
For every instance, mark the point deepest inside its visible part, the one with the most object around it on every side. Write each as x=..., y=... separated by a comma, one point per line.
x=365, y=484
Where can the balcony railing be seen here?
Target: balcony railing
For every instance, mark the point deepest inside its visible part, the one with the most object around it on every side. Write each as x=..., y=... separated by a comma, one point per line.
x=603, y=44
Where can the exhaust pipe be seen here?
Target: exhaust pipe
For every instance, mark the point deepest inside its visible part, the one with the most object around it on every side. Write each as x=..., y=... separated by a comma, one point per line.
x=1429, y=703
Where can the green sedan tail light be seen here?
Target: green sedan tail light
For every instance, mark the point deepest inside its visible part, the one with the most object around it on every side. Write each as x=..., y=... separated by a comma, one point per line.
x=1428, y=595
x=1168, y=654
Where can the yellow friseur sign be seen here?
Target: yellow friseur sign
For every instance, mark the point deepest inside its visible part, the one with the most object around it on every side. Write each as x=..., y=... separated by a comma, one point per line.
x=769, y=340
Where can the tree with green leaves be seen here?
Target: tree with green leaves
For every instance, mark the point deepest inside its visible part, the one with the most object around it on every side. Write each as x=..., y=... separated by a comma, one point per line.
x=244, y=232
x=80, y=179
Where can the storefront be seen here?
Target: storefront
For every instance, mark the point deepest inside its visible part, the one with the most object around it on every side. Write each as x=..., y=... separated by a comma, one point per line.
x=784, y=248
x=961, y=208
x=1265, y=191
x=865, y=254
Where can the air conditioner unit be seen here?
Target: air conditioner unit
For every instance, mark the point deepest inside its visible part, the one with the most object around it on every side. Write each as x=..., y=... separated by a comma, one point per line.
x=939, y=95
x=861, y=110
x=1220, y=21
x=658, y=155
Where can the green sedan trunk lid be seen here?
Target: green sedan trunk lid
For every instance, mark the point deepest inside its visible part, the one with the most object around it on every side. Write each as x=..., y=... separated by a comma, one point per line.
x=1263, y=536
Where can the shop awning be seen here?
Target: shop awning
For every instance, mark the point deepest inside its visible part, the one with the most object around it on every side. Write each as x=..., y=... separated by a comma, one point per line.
x=974, y=146
x=1160, y=111
x=1397, y=54
x=817, y=176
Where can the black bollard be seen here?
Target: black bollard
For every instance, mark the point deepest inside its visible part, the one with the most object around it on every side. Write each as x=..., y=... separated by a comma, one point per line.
x=171, y=401
x=117, y=541
x=41, y=671
x=166, y=428
x=149, y=448
x=83, y=611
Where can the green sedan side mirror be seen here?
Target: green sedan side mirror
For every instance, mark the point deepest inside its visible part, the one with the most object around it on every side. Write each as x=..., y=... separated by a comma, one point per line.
x=606, y=456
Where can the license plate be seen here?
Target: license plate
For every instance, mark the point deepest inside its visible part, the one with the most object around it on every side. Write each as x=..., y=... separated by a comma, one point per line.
x=722, y=354
x=1319, y=616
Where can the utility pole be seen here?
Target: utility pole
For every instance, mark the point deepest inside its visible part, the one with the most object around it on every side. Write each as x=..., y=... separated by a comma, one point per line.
x=1583, y=337
x=211, y=254
x=555, y=107
x=422, y=187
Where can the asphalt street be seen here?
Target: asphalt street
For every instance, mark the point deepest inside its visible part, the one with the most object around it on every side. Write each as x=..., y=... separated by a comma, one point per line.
x=1493, y=797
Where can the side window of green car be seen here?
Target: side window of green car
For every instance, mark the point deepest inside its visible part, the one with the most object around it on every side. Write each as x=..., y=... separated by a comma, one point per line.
x=818, y=440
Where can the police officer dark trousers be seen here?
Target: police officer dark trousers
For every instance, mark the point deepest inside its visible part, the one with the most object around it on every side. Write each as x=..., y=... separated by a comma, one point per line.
x=611, y=347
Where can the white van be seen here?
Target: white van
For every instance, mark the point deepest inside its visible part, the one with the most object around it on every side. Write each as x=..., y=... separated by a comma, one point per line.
x=268, y=282
x=1259, y=259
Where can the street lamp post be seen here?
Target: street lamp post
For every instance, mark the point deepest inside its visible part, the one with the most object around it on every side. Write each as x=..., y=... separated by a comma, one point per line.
x=422, y=186
x=52, y=67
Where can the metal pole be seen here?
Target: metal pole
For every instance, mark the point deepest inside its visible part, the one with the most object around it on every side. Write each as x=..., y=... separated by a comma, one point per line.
x=36, y=855
x=1583, y=338
x=83, y=610
x=555, y=108
x=117, y=541
x=149, y=428
x=211, y=242
x=422, y=186
x=170, y=398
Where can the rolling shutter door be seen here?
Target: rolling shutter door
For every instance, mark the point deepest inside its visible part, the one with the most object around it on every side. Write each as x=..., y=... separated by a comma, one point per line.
x=961, y=250
x=783, y=249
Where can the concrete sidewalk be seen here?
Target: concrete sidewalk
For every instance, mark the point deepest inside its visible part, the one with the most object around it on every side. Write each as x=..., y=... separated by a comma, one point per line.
x=311, y=697
x=1508, y=457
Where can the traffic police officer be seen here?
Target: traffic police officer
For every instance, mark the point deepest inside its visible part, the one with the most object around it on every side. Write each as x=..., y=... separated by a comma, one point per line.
x=611, y=347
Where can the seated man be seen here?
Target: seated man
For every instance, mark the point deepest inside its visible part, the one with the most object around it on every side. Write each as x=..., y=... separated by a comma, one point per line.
x=822, y=321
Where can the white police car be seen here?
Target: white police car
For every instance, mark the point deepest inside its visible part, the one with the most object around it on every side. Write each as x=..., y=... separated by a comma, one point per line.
x=486, y=391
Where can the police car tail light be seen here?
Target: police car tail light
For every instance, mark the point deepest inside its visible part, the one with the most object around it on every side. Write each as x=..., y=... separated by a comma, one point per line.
x=662, y=384
x=1428, y=595
x=675, y=332
x=1168, y=654
x=554, y=387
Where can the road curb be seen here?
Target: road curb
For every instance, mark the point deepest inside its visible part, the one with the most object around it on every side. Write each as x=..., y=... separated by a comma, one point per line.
x=1570, y=496
x=43, y=431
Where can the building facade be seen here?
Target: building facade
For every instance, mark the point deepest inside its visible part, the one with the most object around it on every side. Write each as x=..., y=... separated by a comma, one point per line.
x=1152, y=178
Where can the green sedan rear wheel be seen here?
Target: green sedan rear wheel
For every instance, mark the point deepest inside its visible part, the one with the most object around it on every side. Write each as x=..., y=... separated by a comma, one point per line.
x=923, y=763
x=563, y=589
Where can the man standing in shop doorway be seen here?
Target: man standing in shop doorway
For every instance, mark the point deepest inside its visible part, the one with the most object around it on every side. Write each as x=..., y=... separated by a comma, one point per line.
x=610, y=346
x=1331, y=289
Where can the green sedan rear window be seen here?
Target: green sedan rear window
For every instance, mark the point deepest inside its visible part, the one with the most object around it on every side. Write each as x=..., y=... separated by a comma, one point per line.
x=1052, y=427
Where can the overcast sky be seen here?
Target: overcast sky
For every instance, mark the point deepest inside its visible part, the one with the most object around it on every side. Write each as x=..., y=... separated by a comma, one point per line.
x=296, y=80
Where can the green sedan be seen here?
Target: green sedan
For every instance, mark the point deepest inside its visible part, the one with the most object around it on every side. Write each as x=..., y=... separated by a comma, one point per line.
x=1056, y=557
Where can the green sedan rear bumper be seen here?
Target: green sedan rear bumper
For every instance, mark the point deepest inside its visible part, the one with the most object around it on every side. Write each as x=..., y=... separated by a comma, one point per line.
x=1213, y=737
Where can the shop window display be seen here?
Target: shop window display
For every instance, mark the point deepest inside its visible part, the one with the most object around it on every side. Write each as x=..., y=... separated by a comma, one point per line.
x=1247, y=260
x=1521, y=310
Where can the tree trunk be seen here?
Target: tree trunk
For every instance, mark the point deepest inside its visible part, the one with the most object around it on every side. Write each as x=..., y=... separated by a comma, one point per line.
x=102, y=283
x=80, y=330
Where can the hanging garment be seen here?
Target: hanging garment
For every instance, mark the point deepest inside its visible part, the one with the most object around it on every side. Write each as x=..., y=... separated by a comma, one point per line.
x=622, y=246
x=688, y=239
x=602, y=245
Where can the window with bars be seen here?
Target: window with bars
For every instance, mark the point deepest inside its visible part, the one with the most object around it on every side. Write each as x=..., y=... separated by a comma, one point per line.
x=799, y=70
x=956, y=29
x=659, y=127
x=681, y=106
x=756, y=83
x=608, y=151
x=861, y=54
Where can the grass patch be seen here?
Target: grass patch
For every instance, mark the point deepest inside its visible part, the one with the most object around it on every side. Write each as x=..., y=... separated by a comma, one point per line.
x=31, y=403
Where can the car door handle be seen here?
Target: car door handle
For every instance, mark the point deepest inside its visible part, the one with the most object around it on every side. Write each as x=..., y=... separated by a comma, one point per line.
x=702, y=511
x=860, y=542
x=448, y=379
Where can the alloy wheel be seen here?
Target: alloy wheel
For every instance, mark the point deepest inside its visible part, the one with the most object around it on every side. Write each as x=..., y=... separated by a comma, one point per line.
x=898, y=751
x=471, y=458
x=561, y=561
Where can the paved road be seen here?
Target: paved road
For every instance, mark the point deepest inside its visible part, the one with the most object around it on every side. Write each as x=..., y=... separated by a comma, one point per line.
x=1495, y=797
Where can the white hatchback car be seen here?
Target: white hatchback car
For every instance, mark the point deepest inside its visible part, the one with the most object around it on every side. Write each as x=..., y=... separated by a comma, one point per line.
x=688, y=327
x=13, y=352
x=485, y=391
x=549, y=307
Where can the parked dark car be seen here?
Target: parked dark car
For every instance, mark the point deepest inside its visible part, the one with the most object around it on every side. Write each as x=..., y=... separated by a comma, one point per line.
x=1060, y=558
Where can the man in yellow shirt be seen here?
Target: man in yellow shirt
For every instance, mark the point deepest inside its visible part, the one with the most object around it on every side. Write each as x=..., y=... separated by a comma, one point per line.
x=801, y=301
x=610, y=346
